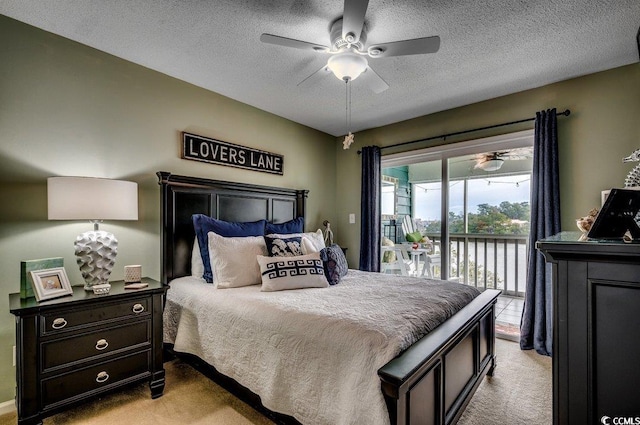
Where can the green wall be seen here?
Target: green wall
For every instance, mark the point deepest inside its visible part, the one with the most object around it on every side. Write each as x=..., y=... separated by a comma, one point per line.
x=604, y=127
x=67, y=109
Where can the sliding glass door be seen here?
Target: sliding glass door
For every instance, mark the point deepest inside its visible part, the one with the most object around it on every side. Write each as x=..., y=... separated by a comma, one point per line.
x=472, y=201
x=426, y=209
x=489, y=222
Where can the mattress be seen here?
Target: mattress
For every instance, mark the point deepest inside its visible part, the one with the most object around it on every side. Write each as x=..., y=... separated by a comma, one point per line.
x=311, y=353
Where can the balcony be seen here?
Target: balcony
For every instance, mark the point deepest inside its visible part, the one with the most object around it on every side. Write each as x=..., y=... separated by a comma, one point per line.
x=492, y=262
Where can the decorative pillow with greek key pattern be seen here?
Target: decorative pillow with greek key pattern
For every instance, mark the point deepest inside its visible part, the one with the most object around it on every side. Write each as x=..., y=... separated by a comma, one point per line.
x=281, y=273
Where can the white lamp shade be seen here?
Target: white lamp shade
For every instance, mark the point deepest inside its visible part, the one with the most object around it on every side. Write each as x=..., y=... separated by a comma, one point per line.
x=347, y=65
x=88, y=198
x=492, y=164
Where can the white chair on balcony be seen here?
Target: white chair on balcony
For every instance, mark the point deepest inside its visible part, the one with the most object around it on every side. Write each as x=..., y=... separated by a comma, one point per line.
x=408, y=225
x=397, y=261
x=431, y=261
x=430, y=258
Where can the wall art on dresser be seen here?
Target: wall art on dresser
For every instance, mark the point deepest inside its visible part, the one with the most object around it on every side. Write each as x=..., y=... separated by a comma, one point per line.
x=50, y=283
x=198, y=148
x=26, y=284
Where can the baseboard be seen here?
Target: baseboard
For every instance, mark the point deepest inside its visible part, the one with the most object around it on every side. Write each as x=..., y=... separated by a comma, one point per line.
x=7, y=407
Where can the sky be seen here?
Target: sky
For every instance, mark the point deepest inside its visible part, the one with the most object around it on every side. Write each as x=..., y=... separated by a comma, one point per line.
x=490, y=191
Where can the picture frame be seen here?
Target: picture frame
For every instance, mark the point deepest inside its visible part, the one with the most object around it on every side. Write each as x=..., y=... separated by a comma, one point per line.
x=26, y=266
x=618, y=216
x=50, y=283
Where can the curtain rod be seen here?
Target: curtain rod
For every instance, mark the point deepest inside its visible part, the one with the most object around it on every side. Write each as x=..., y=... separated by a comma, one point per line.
x=566, y=113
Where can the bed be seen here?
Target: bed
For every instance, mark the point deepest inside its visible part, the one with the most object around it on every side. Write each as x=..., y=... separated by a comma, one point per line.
x=422, y=378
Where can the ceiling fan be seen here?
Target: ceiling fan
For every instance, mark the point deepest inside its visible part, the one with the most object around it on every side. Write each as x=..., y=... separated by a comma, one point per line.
x=493, y=161
x=348, y=49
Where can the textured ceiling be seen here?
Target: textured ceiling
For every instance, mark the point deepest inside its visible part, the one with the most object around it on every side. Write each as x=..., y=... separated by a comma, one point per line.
x=488, y=48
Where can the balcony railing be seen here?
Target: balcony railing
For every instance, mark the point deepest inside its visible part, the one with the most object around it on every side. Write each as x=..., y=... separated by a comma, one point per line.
x=489, y=261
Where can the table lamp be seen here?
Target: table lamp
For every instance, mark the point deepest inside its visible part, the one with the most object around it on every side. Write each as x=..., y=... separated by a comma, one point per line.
x=93, y=199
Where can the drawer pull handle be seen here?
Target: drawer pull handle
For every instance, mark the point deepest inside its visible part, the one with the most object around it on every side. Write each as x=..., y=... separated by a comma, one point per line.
x=138, y=308
x=102, y=377
x=101, y=344
x=59, y=323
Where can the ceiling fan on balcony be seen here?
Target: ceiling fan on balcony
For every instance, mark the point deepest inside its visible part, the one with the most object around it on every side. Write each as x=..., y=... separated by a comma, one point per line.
x=348, y=51
x=493, y=161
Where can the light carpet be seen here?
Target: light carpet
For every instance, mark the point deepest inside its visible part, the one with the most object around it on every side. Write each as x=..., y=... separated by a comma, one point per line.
x=518, y=393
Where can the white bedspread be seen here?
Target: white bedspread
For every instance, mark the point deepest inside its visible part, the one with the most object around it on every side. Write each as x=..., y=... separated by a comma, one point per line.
x=311, y=353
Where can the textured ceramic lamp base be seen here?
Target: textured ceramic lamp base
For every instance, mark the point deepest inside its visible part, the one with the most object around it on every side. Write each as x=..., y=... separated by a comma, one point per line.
x=96, y=252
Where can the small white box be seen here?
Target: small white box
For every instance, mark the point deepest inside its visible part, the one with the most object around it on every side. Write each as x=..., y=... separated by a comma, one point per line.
x=101, y=289
x=132, y=273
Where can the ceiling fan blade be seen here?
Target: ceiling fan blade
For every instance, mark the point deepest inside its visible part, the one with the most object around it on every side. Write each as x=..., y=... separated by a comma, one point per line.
x=518, y=153
x=481, y=158
x=416, y=46
x=322, y=72
x=373, y=81
x=516, y=157
x=290, y=42
x=353, y=19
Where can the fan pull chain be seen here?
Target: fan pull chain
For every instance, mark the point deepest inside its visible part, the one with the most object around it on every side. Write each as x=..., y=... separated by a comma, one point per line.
x=346, y=105
x=348, y=139
x=349, y=107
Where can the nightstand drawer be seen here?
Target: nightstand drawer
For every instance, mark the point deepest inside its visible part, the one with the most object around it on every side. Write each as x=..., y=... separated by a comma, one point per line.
x=93, y=379
x=62, y=351
x=60, y=321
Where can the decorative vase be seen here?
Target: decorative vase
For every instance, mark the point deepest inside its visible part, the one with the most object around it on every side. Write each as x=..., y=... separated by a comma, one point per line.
x=96, y=252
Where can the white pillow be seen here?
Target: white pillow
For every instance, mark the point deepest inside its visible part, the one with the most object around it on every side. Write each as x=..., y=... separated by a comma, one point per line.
x=197, y=267
x=314, y=240
x=307, y=246
x=233, y=260
x=280, y=273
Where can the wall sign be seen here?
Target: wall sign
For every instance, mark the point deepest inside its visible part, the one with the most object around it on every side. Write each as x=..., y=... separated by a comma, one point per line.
x=213, y=151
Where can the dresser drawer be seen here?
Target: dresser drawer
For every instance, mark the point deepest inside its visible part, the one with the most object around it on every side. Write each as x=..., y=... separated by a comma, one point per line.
x=62, y=351
x=64, y=320
x=93, y=379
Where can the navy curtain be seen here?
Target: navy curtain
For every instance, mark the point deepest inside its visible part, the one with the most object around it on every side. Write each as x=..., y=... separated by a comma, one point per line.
x=536, y=328
x=370, y=210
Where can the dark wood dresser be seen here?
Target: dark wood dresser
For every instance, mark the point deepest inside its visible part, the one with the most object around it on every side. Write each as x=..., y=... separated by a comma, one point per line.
x=596, y=341
x=72, y=348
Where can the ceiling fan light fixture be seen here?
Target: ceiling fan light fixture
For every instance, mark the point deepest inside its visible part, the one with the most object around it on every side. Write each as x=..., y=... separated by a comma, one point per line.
x=491, y=164
x=347, y=65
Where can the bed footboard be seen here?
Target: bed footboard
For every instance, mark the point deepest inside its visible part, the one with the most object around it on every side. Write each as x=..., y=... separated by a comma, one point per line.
x=434, y=379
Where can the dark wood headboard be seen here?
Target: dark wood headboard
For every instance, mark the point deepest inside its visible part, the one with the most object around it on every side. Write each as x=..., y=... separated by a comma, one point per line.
x=183, y=196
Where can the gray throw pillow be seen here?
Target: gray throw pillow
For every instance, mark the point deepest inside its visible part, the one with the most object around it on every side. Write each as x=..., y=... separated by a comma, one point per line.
x=334, y=262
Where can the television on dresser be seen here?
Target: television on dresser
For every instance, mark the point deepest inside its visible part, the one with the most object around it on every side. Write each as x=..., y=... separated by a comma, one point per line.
x=618, y=215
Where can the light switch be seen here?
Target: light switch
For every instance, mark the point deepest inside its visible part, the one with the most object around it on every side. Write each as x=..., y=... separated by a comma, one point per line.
x=352, y=218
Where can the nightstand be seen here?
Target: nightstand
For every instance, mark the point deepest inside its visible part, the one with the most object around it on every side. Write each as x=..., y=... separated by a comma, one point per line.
x=72, y=348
